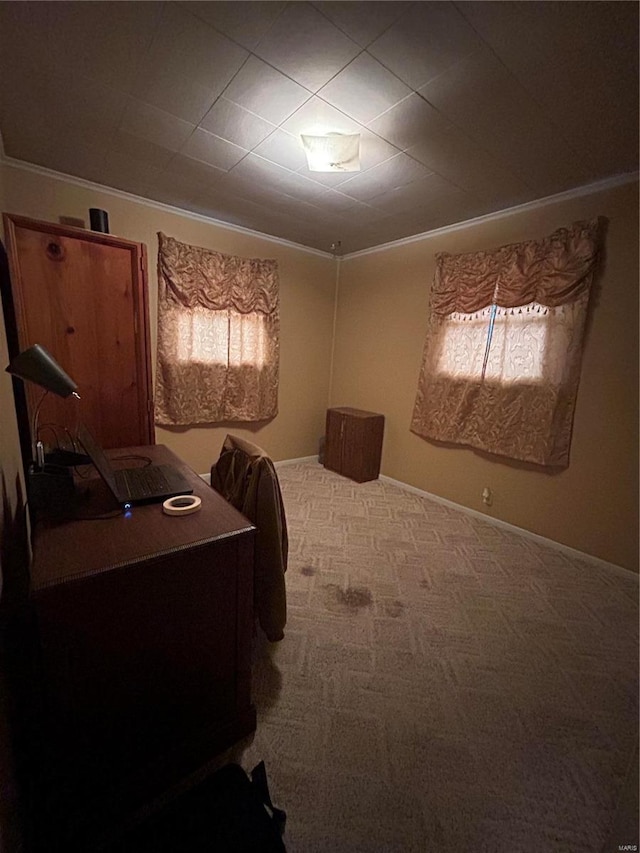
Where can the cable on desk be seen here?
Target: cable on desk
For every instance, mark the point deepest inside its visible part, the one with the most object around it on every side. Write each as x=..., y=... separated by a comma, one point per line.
x=144, y=459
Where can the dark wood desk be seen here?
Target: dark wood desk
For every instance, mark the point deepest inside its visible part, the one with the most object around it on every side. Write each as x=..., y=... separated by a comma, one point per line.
x=145, y=624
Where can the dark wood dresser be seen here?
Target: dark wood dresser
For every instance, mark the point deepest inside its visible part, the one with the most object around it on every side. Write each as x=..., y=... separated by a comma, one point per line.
x=145, y=628
x=353, y=443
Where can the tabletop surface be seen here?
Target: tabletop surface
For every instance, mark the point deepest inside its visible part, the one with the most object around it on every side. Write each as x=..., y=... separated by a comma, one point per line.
x=98, y=536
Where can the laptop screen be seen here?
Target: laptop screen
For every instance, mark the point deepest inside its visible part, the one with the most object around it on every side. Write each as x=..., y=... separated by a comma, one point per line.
x=98, y=457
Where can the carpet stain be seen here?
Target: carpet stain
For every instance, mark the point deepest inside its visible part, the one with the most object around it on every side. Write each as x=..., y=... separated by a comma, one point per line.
x=307, y=571
x=393, y=608
x=349, y=600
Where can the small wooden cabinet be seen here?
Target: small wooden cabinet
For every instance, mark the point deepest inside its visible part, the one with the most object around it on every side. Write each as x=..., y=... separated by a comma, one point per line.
x=353, y=444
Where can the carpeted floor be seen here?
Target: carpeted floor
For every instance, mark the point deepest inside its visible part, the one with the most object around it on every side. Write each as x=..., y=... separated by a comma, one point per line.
x=443, y=685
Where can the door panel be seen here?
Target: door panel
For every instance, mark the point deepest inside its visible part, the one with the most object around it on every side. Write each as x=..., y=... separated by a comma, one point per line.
x=82, y=295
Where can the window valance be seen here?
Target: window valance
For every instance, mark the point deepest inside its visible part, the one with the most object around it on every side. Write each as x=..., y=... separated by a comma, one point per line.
x=194, y=276
x=550, y=272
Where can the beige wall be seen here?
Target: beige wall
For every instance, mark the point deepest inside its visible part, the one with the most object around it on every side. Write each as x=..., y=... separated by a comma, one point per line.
x=381, y=321
x=307, y=295
x=383, y=302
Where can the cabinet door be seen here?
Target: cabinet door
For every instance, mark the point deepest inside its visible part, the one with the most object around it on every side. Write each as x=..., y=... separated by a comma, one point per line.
x=362, y=446
x=83, y=296
x=334, y=441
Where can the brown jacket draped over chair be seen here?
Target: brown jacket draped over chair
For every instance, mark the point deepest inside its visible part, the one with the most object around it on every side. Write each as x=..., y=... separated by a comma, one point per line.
x=245, y=475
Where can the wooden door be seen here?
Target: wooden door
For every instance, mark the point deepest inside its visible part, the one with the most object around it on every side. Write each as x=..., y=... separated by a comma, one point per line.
x=83, y=296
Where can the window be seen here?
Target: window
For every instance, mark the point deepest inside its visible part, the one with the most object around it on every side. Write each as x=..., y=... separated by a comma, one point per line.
x=218, y=336
x=221, y=337
x=502, y=357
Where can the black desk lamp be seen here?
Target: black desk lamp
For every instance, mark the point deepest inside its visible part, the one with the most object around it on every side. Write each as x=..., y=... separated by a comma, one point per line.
x=37, y=365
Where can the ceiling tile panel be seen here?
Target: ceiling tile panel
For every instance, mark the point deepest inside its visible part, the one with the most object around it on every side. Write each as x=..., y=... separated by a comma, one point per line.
x=364, y=89
x=266, y=92
x=213, y=150
x=408, y=122
x=317, y=116
x=141, y=150
x=463, y=109
x=26, y=40
x=282, y=180
x=197, y=175
x=328, y=180
x=86, y=104
x=84, y=40
x=284, y=149
x=184, y=46
x=187, y=65
x=356, y=213
x=373, y=234
x=245, y=23
x=227, y=208
x=450, y=153
x=467, y=166
x=424, y=42
x=88, y=164
x=155, y=125
x=89, y=114
x=374, y=149
x=395, y=172
x=428, y=136
x=482, y=98
x=129, y=174
x=307, y=47
x=420, y=194
x=361, y=21
x=174, y=93
x=254, y=191
x=334, y=201
x=566, y=62
x=237, y=125
x=170, y=188
x=291, y=206
x=35, y=148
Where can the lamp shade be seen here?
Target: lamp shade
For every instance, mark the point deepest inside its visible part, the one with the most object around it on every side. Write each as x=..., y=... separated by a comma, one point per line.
x=37, y=365
x=332, y=152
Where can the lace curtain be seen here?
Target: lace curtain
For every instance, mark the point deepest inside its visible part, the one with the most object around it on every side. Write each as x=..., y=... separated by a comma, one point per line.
x=218, y=336
x=501, y=361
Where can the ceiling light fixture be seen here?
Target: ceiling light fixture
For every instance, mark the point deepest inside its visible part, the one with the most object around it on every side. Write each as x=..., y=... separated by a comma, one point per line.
x=332, y=152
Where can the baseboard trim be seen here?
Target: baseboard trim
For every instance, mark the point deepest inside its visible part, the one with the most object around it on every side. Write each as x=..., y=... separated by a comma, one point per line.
x=207, y=477
x=558, y=546
x=497, y=522
x=283, y=462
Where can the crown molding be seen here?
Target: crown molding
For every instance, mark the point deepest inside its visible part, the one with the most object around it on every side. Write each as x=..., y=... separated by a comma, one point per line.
x=587, y=189
x=156, y=205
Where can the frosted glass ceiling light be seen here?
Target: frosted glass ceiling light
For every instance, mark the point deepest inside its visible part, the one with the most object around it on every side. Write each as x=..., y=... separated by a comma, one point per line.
x=332, y=152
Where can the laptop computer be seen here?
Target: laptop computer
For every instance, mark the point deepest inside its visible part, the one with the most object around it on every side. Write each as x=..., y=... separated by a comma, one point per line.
x=129, y=486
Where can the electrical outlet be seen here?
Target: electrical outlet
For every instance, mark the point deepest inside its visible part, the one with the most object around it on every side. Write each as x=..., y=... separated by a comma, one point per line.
x=487, y=496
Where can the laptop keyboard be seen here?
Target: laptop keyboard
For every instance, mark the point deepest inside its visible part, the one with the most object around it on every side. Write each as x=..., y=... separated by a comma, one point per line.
x=142, y=482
